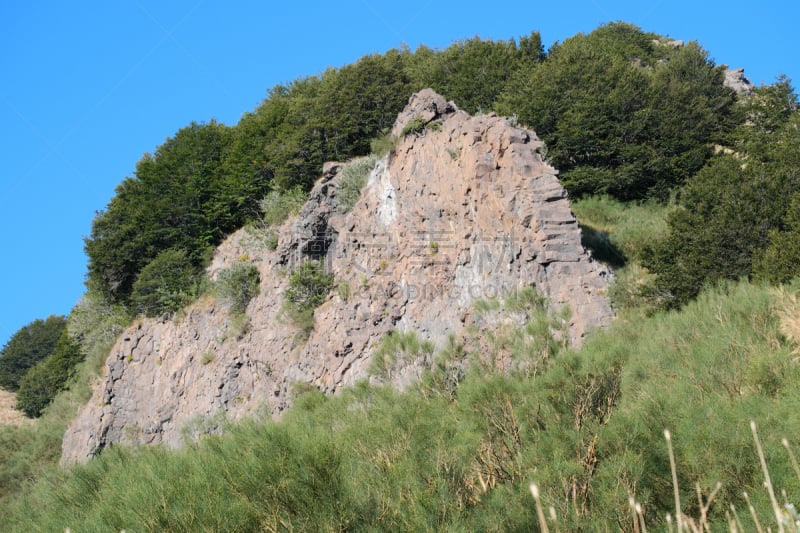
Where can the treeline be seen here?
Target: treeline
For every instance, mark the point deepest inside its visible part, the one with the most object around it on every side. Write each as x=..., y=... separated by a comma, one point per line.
x=739, y=216
x=207, y=180
x=622, y=111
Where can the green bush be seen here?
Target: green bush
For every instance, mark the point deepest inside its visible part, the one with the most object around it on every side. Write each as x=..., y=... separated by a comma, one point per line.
x=29, y=345
x=166, y=284
x=399, y=348
x=309, y=285
x=354, y=177
x=39, y=386
x=587, y=428
x=383, y=145
x=414, y=126
x=277, y=206
x=238, y=285
x=613, y=108
x=780, y=261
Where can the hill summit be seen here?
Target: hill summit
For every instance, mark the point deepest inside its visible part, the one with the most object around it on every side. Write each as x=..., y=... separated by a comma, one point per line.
x=462, y=210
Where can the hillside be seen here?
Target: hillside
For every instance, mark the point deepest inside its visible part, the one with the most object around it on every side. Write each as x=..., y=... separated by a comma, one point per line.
x=364, y=307
x=462, y=210
x=9, y=415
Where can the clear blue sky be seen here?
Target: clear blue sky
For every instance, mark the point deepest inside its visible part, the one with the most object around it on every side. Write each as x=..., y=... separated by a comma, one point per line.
x=87, y=87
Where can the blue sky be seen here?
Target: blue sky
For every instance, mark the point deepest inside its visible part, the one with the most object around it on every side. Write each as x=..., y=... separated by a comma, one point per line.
x=88, y=87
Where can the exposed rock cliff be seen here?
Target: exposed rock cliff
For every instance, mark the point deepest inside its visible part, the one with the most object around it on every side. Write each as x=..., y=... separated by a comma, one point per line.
x=735, y=79
x=464, y=209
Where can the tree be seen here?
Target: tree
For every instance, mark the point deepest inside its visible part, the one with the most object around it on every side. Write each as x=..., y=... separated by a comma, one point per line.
x=49, y=377
x=612, y=107
x=780, y=261
x=738, y=218
x=29, y=345
x=473, y=73
x=180, y=198
x=165, y=285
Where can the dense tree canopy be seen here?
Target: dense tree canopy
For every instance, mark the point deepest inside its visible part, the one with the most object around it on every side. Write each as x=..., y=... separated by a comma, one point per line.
x=623, y=112
x=208, y=179
x=179, y=198
x=739, y=213
x=49, y=377
x=28, y=346
x=613, y=107
x=473, y=73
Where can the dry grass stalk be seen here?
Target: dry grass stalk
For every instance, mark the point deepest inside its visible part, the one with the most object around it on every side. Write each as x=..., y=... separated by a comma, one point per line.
x=753, y=514
x=792, y=457
x=554, y=518
x=738, y=522
x=704, y=507
x=539, y=512
x=775, y=507
x=632, y=505
x=9, y=415
x=788, y=311
x=640, y=513
x=674, y=480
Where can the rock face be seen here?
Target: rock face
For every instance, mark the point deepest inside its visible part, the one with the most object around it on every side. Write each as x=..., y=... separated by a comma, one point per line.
x=735, y=79
x=463, y=210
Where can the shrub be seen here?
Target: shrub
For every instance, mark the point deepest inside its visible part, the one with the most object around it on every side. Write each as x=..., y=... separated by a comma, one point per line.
x=383, y=145
x=309, y=284
x=40, y=385
x=396, y=348
x=279, y=205
x=354, y=177
x=238, y=285
x=95, y=323
x=29, y=345
x=780, y=261
x=166, y=284
x=613, y=109
x=414, y=126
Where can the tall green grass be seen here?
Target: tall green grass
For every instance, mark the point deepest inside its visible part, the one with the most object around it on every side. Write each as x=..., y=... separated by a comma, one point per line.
x=618, y=234
x=27, y=452
x=587, y=428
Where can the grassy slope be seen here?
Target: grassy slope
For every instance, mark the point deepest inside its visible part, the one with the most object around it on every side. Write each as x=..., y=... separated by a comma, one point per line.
x=588, y=430
x=9, y=415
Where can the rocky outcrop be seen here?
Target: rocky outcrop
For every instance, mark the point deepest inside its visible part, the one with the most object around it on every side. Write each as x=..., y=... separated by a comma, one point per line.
x=735, y=79
x=464, y=209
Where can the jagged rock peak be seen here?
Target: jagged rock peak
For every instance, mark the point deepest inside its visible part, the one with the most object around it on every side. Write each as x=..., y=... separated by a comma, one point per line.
x=427, y=105
x=735, y=79
x=464, y=209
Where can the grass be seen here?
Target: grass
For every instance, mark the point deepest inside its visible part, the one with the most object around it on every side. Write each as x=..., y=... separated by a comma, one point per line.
x=276, y=207
x=237, y=285
x=354, y=177
x=617, y=234
x=9, y=415
x=279, y=205
x=414, y=126
x=383, y=145
x=461, y=454
x=397, y=349
x=309, y=285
